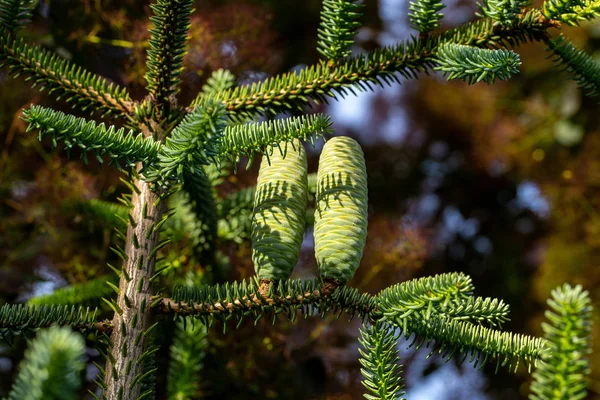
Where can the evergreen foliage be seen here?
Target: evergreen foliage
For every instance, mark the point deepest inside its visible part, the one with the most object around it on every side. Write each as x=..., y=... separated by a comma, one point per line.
x=51, y=368
x=380, y=361
x=19, y=319
x=475, y=65
x=425, y=15
x=47, y=71
x=171, y=21
x=187, y=360
x=564, y=370
x=505, y=12
x=581, y=66
x=14, y=14
x=185, y=152
x=339, y=23
x=98, y=139
x=83, y=294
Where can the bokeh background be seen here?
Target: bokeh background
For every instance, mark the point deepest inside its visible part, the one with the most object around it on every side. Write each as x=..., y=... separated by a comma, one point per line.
x=501, y=182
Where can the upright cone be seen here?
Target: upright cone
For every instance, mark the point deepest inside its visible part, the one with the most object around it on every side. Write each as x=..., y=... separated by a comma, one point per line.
x=279, y=212
x=341, y=209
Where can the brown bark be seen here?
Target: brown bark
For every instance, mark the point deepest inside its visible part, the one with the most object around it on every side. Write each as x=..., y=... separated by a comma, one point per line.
x=124, y=367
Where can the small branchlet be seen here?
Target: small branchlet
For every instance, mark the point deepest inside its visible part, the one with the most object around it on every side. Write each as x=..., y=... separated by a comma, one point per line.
x=339, y=23
x=576, y=62
x=474, y=65
x=565, y=368
x=425, y=15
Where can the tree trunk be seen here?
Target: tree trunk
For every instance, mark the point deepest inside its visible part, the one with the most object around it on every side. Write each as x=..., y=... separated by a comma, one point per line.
x=124, y=366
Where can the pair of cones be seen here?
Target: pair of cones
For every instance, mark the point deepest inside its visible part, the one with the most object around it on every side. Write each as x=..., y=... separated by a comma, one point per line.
x=280, y=204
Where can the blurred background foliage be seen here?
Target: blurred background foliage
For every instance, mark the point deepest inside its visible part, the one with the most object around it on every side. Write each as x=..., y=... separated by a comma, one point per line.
x=502, y=182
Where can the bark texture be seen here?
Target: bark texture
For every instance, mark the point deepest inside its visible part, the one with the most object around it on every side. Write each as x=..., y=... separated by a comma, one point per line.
x=128, y=353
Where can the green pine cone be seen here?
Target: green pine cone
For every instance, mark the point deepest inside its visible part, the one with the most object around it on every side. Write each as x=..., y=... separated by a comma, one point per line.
x=341, y=209
x=279, y=212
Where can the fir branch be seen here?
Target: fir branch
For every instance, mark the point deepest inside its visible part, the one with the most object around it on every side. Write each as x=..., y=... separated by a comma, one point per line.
x=386, y=65
x=85, y=134
x=219, y=81
x=187, y=361
x=22, y=319
x=63, y=79
x=339, y=23
x=167, y=49
x=235, y=215
x=247, y=139
x=51, y=367
x=201, y=222
x=564, y=371
x=506, y=12
x=563, y=10
x=14, y=14
x=380, y=363
x=191, y=145
x=581, y=66
x=447, y=295
x=408, y=297
x=425, y=15
x=82, y=294
x=474, y=65
x=256, y=299
x=453, y=336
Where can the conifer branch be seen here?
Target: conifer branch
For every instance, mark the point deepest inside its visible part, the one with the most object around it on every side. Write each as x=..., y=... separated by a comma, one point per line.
x=187, y=361
x=505, y=12
x=51, y=367
x=82, y=294
x=258, y=299
x=448, y=295
x=295, y=90
x=14, y=14
x=191, y=145
x=219, y=81
x=247, y=139
x=201, y=219
x=474, y=65
x=167, y=49
x=380, y=363
x=98, y=139
x=22, y=319
x=581, y=66
x=564, y=370
x=456, y=337
x=571, y=12
x=425, y=15
x=65, y=80
x=339, y=23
